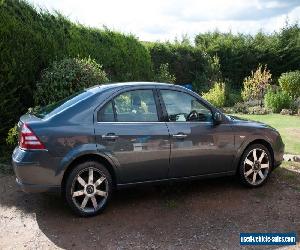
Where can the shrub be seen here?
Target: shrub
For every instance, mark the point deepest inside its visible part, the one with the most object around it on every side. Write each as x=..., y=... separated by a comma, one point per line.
x=258, y=110
x=163, y=74
x=240, y=107
x=256, y=84
x=232, y=97
x=216, y=95
x=12, y=136
x=66, y=77
x=290, y=83
x=278, y=100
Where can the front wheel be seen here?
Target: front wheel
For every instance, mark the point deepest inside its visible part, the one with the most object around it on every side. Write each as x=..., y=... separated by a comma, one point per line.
x=255, y=165
x=88, y=188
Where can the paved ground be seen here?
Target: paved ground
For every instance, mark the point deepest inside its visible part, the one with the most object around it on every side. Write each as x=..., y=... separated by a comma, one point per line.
x=199, y=215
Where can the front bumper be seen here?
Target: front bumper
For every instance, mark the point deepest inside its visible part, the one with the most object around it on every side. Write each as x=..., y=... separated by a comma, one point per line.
x=278, y=153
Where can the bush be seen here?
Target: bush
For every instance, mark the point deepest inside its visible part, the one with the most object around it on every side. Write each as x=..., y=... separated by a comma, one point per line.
x=232, y=97
x=278, y=100
x=290, y=83
x=240, y=107
x=66, y=77
x=216, y=95
x=256, y=84
x=163, y=74
x=12, y=136
x=258, y=110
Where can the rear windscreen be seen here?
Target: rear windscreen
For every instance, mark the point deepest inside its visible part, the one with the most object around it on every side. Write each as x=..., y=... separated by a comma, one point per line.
x=57, y=107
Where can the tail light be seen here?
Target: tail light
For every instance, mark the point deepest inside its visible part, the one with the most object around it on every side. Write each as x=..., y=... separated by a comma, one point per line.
x=28, y=140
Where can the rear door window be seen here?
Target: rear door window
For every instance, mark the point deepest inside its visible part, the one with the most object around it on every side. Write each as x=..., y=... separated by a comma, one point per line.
x=130, y=106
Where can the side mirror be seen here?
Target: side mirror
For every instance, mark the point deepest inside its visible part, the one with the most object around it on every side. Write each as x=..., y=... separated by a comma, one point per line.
x=217, y=118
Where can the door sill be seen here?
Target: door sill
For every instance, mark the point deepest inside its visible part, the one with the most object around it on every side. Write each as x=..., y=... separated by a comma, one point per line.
x=195, y=177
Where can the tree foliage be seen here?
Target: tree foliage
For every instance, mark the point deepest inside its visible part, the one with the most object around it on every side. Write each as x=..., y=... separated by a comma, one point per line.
x=240, y=54
x=66, y=77
x=205, y=80
x=184, y=60
x=290, y=83
x=278, y=100
x=163, y=74
x=216, y=95
x=256, y=84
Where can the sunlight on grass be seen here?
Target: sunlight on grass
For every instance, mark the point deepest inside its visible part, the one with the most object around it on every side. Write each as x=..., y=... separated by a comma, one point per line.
x=288, y=127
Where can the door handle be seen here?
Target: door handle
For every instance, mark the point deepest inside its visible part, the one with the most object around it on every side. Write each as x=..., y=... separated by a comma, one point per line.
x=179, y=136
x=109, y=136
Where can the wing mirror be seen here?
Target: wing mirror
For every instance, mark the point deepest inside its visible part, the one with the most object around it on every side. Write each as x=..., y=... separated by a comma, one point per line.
x=217, y=118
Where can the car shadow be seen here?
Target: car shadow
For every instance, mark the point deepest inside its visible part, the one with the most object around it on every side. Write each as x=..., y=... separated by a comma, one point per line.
x=204, y=213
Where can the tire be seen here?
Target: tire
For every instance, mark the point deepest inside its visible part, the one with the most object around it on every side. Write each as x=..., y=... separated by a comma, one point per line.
x=255, y=165
x=88, y=188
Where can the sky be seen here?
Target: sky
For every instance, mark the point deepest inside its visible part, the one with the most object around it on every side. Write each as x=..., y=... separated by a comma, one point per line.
x=163, y=20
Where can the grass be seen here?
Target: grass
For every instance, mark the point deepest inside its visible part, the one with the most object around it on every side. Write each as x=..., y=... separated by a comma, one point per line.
x=288, y=127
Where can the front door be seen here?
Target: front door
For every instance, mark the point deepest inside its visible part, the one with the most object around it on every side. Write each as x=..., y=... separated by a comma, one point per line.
x=128, y=128
x=197, y=145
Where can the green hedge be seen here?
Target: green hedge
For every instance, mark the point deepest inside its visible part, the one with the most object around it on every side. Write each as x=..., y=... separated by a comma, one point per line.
x=240, y=54
x=31, y=39
x=185, y=61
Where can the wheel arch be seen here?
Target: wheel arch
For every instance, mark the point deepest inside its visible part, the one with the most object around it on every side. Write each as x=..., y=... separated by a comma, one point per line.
x=256, y=141
x=90, y=157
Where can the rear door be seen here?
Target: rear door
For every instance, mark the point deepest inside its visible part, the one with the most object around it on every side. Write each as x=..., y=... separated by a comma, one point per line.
x=129, y=128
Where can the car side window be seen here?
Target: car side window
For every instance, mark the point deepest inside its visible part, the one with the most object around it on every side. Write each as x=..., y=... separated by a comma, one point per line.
x=182, y=107
x=106, y=113
x=131, y=106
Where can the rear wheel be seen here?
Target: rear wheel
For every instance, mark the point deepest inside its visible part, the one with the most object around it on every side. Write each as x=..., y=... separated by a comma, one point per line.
x=88, y=188
x=255, y=166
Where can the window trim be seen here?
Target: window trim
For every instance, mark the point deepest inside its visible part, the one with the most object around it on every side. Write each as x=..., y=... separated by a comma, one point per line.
x=122, y=91
x=164, y=109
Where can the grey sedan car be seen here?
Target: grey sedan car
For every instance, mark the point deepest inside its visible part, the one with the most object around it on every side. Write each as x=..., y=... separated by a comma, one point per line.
x=123, y=134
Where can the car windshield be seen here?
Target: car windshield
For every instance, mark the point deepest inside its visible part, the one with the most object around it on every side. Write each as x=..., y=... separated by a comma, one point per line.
x=56, y=107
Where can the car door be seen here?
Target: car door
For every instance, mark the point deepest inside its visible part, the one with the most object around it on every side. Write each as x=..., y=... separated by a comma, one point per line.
x=198, y=146
x=129, y=129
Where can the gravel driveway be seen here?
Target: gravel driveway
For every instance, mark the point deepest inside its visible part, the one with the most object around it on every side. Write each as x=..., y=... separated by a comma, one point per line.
x=206, y=214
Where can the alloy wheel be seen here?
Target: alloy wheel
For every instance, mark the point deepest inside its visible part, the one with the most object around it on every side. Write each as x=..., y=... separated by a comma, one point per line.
x=89, y=190
x=256, y=166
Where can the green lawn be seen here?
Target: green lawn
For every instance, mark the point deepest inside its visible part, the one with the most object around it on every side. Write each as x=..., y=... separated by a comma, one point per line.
x=288, y=127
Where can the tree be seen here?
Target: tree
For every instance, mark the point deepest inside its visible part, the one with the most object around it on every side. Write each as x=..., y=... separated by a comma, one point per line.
x=211, y=74
x=163, y=74
x=256, y=84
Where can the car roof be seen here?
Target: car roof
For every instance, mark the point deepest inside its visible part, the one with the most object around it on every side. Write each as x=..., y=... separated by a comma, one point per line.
x=99, y=88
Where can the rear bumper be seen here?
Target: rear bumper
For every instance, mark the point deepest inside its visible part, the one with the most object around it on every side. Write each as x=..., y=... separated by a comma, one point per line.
x=34, y=188
x=33, y=174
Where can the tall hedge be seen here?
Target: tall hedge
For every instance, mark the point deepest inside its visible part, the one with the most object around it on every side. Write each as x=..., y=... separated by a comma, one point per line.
x=239, y=54
x=31, y=39
x=185, y=61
